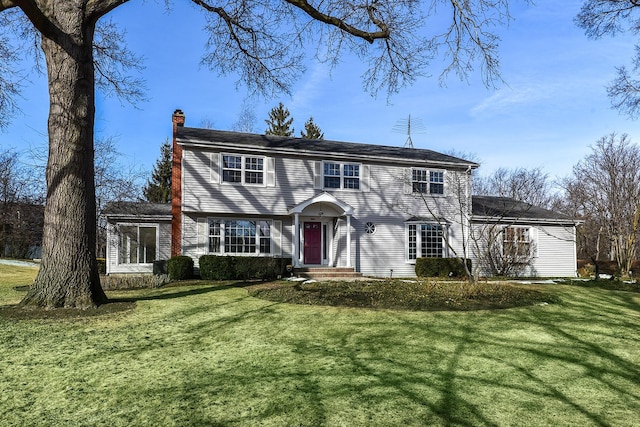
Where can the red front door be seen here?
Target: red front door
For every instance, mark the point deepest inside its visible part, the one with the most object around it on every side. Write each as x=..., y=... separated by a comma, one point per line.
x=312, y=243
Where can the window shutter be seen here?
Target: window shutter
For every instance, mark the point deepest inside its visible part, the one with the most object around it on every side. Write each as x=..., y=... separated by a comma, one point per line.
x=271, y=172
x=406, y=181
x=214, y=168
x=364, y=178
x=202, y=235
x=276, y=238
x=317, y=175
x=533, y=239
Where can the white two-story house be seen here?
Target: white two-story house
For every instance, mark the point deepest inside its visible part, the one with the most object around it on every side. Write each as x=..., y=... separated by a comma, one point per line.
x=374, y=209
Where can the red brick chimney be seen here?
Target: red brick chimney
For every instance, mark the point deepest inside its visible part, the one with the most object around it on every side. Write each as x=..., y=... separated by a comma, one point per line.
x=176, y=187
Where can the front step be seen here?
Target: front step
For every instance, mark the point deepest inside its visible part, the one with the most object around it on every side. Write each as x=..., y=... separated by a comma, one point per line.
x=327, y=272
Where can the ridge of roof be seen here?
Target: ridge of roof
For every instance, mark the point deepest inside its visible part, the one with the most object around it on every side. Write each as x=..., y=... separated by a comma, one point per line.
x=188, y=135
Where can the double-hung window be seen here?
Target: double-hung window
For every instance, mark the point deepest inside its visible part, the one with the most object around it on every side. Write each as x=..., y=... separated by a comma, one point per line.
x=427, y=181
x=425, y=241
x=516, y=242
x=341, y=175
x=239, y=236
x=243, y=169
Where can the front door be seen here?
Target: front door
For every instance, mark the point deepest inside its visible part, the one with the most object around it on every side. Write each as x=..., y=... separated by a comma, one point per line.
x=312, y=243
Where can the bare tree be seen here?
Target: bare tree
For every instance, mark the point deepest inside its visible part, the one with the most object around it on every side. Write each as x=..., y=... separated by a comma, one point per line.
x=263, y=42
x=611, y=17
x=246, y=119
x=605, y=190
x=526, y=185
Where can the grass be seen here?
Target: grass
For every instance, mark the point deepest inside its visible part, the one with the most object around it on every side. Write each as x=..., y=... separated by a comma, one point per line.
x=211, y=354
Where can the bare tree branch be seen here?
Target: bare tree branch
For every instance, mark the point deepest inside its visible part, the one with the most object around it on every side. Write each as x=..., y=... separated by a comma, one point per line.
x=114, y=62
x=611, y=17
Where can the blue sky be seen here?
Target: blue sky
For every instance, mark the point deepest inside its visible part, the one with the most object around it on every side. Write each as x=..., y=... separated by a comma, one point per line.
x=550, y=110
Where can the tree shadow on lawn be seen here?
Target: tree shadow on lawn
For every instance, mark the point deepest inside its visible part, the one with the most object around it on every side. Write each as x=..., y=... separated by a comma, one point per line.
x=114, y=305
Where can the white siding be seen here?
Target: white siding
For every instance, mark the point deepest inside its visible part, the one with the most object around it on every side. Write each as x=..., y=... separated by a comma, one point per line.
x=381, y=200
x=554, y=250
x=163, y=250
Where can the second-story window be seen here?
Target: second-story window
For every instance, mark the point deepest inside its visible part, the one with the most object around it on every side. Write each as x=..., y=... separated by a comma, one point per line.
x=338, y=175
x=243, y=169
x=427, y=181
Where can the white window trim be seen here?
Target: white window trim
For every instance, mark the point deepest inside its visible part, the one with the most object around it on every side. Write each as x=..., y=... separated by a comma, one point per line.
x=445, y=236
x=428, y=181
x=342, y=176
x=272, y=237
x=137, y=225
x=243, y=170
x=531, y=235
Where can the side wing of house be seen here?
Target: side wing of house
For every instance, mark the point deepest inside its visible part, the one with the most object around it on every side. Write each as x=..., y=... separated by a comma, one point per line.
x=319, y=207
x=512, y=238
x=137, y=235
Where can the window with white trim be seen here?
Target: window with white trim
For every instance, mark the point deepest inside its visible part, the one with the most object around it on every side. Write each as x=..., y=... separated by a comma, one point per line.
x=243, y=169
x=239, y=236
x=425, y=241
x=138, y=244
x=427, y=181
x=516, y=242
x=341, y=175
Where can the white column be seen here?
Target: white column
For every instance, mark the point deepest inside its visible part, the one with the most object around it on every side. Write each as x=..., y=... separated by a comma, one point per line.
x=348, y=240
x=296, y=240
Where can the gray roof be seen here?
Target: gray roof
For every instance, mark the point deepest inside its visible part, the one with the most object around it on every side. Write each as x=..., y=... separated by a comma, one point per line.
x=137, y=209
x=505, y=207
x=196, y=136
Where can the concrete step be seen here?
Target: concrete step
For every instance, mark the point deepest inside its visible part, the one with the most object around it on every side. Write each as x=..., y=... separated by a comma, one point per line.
x=327, y=272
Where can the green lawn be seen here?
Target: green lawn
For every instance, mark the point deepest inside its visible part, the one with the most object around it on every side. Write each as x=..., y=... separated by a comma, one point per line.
x=213, y=355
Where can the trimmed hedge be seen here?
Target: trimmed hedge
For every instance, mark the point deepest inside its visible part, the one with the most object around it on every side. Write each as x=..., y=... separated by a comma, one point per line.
x=215, y=267
x=180, y=267
x=441, y=267
x=102, y=265
x=160, y=267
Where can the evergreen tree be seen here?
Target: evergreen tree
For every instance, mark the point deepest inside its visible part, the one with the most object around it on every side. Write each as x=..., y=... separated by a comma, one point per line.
x=279, y=122
x=311, y=130
x=158, y=188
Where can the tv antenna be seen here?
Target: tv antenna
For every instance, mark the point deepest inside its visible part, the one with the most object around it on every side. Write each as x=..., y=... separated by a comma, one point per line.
x=407, y=126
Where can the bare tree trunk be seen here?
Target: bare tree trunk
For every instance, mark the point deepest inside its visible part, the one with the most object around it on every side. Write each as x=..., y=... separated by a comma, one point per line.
x=68, y=275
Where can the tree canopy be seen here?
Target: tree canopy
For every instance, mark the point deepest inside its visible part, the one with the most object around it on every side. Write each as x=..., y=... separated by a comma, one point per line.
x=263, y=43
x=279, y=122
x=601, y=18
x=311, y=130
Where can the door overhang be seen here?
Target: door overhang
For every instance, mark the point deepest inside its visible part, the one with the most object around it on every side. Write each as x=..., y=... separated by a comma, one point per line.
x=317, y=201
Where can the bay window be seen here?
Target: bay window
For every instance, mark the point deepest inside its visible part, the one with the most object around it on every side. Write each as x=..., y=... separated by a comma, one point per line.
x=425, y=241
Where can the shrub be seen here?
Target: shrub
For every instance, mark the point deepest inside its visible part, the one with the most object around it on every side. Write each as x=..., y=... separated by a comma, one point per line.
x=213, y=267
x=160, y=267
x=441, y=267
x=180, y=267
x=102, y=265
x=133, y=281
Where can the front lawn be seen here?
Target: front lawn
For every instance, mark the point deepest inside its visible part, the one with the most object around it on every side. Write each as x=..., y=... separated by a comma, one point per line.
x=211, y=354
